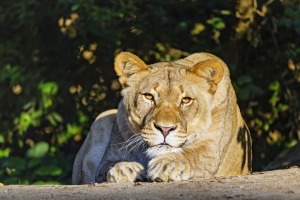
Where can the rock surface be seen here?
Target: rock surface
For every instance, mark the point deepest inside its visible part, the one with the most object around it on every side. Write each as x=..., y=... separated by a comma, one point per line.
x=279, y=184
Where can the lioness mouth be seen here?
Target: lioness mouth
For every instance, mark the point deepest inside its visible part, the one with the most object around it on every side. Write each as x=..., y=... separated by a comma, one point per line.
x=164, y=144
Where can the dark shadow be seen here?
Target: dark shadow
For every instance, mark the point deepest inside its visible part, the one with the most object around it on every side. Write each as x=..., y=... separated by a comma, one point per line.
x=286, y=159
x=244, y=138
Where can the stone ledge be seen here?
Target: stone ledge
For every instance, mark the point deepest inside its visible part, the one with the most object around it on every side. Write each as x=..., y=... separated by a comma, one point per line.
x=278, y=184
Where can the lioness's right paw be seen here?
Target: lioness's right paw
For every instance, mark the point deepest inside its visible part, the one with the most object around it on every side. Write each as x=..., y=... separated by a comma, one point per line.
x=126, y=172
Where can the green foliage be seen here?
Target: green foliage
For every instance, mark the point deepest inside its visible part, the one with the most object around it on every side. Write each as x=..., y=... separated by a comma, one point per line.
x=42, y=170
x=245, y=88
x=37, y=167
x=56, y=71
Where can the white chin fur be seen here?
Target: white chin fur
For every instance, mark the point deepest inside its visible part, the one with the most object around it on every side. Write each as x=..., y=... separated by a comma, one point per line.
x=159, y=150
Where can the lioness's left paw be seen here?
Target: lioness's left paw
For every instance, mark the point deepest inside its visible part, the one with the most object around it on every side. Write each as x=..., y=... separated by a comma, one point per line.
x=165, y=169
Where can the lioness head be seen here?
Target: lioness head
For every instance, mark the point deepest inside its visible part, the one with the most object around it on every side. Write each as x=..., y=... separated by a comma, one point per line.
x=169, y=104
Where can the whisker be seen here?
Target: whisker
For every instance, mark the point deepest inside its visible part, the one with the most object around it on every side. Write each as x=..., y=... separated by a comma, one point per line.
x=131, y=137
x=132, y=144
x=134, y=147
x=128, y=142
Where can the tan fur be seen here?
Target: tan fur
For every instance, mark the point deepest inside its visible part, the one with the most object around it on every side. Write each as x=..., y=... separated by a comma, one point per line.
x=177, y=121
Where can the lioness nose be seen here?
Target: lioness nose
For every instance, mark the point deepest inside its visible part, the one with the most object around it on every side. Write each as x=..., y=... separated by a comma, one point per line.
x=165, y=130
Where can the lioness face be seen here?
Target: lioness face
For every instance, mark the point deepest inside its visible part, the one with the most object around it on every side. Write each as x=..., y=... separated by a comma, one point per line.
x=170, y=109
x=167, y=104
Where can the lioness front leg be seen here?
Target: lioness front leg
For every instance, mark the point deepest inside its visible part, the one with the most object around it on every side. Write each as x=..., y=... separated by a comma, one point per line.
x=170, y=167
x=126, y=172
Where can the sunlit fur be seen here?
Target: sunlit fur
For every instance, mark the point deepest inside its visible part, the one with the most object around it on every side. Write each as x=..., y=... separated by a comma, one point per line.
x=177, y=121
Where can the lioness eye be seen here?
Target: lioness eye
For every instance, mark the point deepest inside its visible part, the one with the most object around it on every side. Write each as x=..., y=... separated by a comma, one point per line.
x=186, y=100
x=149, y=96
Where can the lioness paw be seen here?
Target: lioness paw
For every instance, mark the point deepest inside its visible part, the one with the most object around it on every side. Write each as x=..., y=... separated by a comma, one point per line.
x=168, y=169
x=126, y=172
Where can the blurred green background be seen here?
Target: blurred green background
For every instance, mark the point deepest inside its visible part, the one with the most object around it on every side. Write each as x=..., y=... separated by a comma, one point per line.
x=56, y=70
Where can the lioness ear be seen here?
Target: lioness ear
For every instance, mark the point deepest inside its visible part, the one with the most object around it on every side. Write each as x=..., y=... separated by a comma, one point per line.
x=127, y=64
x=211, y=70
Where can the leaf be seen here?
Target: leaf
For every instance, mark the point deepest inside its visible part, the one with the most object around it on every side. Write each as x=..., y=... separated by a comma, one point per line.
x=33, y=162
x=25, y=120
x=243, y=94
x=5, y=152
x=274, y=86
x=217, y=23
x=49, y=170
x=38, y=151
x=75, y=7
x=51, y=120
x=46, y=183
x=35, y=118
x=11, y=180
x=28, y=105
x=249, y=90
x=82, y=117
x=57, y=117
x=49, y=88
x=1, y=138
x=244, y=79
x=37, y=114
x=16, y=163
x=256, y=91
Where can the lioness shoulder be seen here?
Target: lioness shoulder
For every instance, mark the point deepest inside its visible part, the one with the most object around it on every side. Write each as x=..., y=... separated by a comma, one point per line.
x=177, y=121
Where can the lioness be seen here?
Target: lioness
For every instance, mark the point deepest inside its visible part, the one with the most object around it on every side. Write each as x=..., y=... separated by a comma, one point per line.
x=177, y=121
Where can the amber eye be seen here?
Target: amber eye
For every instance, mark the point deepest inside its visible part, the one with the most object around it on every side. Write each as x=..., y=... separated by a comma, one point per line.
x=149, y=96
x=186, y=100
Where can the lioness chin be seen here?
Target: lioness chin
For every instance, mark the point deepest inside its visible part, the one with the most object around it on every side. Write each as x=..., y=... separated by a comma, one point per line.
x=177, y=121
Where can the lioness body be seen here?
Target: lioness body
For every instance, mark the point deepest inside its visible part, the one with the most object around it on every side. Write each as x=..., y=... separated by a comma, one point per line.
x=177, y=121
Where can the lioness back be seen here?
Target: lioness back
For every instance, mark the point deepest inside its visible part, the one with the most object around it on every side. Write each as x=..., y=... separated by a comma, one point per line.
x=177, y=121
